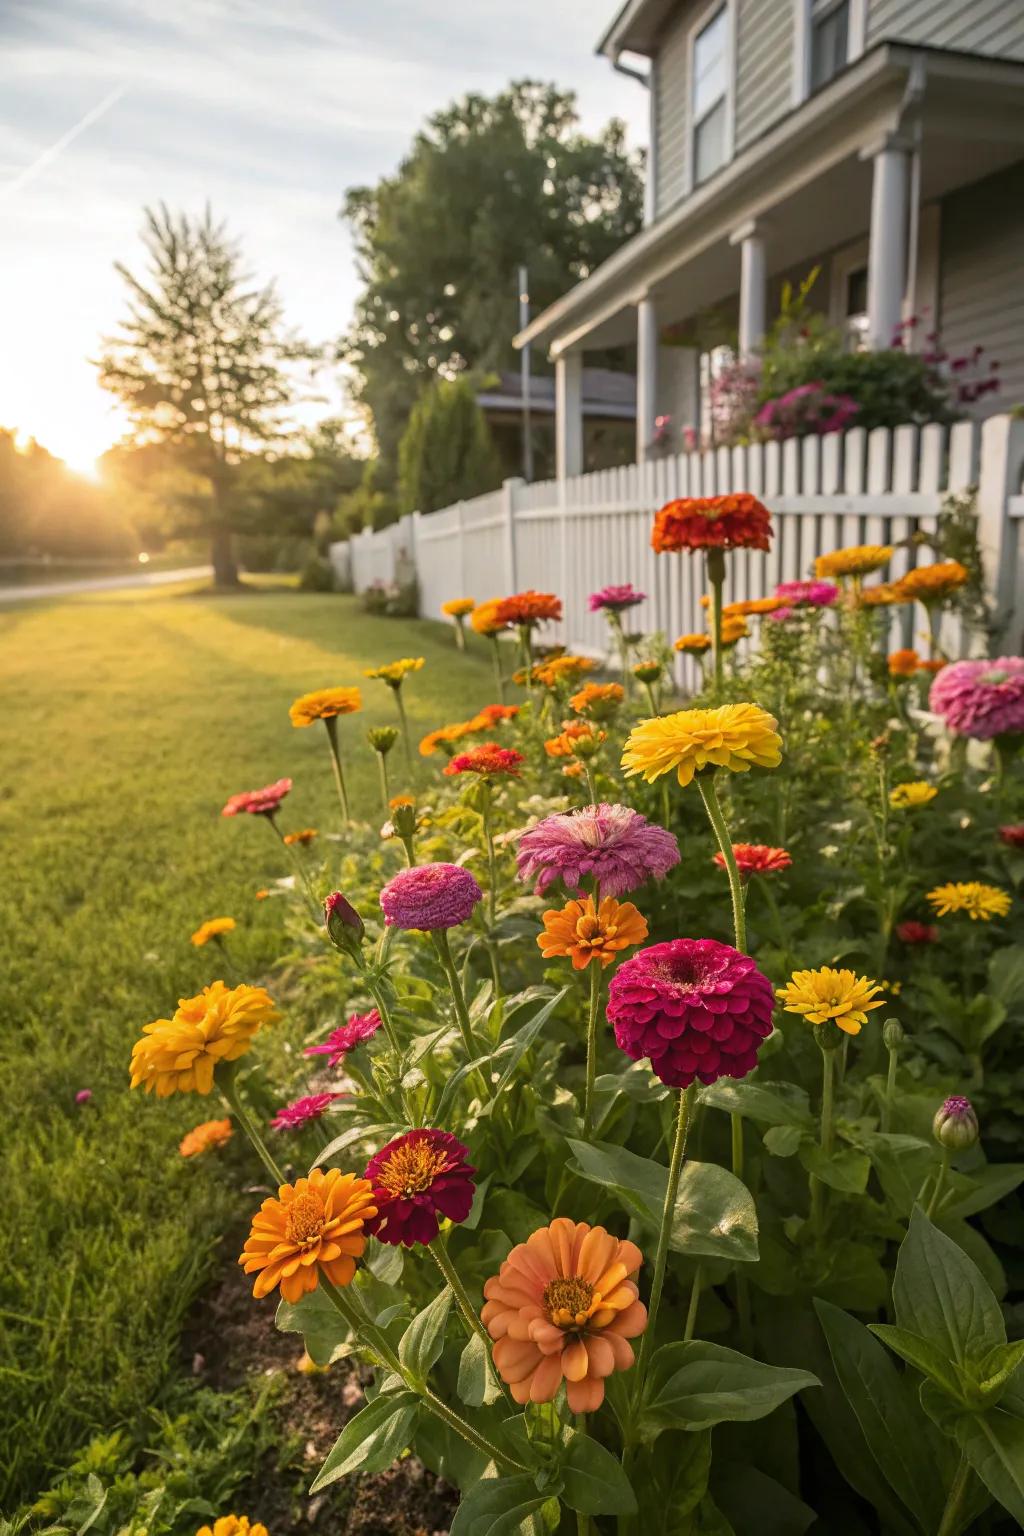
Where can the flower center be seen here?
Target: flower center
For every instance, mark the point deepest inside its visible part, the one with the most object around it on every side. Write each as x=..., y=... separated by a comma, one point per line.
x=412, y=1169
x=589, y=930
x=305, y=1223
x=568, y=1302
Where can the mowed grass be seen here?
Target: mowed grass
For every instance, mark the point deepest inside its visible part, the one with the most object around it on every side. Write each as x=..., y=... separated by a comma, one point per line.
x=127, y=721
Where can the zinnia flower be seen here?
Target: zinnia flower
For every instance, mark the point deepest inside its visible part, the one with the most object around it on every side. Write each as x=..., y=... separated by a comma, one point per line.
x=488, y=761
x=258, y=802
x=905, y=796
x=585, y=932
x=733, y=736
x=756, y=859
x=979, y=901
x=394, y=672
x=314, y=1225
x=430, y=896
x=912, y=932
x=202, y=1138
x=613, y=845
x=931, y=583
x=83, y=1095
x=955, y=1125
x=903, y=663
x=694, y=644
x=493, y=715
x=458, y=607
x=573, y=732
x=301, y=1111
x=734, y=629
x=444, y=736
x=884, y=595
x=750, y=606
x=598, y=701
x=233, y=1525
x=826, y=994
x=325, y=704
x=712, y=522
x=301, y=839
x=489, y=618
x=360, y=1027
x=263, y=894
x=212, y=930
x=178, y=1055
x=981, y=699
x=561, y=669
x=1013, y=836
x=562, y=1307
x=529, y=608
x=615, y=599
x=857, y=560
x=807, y=594
x=417, y=1179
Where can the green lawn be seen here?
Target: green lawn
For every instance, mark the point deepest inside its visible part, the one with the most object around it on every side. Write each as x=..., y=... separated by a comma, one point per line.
x=128, y=720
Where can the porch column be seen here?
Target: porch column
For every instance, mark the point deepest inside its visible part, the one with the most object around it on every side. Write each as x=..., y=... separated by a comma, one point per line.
x=646, y=376
x=887, y=250
x=750, y=238
x=569, y=414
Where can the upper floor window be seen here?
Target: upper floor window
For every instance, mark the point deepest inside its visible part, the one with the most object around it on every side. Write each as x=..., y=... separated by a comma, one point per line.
x=830, y=39
x=710, y=96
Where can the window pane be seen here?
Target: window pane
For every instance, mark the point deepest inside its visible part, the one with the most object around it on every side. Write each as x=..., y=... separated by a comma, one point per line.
x=709, y=144
x=709, y=80
x=829, y=43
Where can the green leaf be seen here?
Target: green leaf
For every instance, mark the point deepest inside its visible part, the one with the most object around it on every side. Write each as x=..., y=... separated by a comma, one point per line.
x=783, y=1140
x=753, y=1501
x=517, y=1045
x=1006, y=975
x=497, y=1506
x=993, y=1443
x=372, y=1440
x=987, y=1185
x=349, y=1138
x=941, y=1296
x=843, y=1169
x=997, y=1369
x=423, y=1340
x=694, y=1385
x=888, y=1415
x=669, y=1488
x=593, y=1480
x=476, y=1380
x=902, y=1164
x=769, y=1103
x=324, y=1331
x=922, y=1355
x=385, y=1261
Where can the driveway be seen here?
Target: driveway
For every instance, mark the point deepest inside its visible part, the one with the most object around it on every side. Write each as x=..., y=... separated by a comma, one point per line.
x=140, y=578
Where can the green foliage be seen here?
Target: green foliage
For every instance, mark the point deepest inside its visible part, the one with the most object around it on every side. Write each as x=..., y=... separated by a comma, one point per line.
x=445, y=454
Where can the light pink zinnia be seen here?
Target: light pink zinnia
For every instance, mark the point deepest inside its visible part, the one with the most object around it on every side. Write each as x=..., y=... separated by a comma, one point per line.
x=807, y=594
x=430, y=896
x=360, y=1027
x=615, y=599
x=696, y=1008
x=981, y=699
x=258, y=802
x=612, y=844
x=300, y=1111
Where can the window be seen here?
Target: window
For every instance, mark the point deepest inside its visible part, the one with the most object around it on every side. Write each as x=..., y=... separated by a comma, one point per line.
x=710, y=96
x=830, y=39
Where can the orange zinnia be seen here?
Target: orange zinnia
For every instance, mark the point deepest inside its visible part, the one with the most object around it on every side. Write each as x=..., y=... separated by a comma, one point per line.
x=598, y=700
x=931, y=583
x=530, y=607
x=695, y=643
x=563, y=1306
x=212, y=1133
x=313, y=1225
x=903, y=663
x=572, y=733
x=585, y=932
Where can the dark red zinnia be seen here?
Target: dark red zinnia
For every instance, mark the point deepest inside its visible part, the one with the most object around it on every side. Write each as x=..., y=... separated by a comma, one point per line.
x=418, y=1178
x=712, y=522
x=1012, y=836
x=912, y=932
x=486, y=760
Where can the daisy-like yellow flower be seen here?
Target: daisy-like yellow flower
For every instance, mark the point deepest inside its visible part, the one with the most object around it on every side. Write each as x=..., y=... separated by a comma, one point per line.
x=857, y=560
x=394, y=672
x=325, y=704
x=970, y=896
x=693, y=643
x=178, y=1055
x=826, y=994
x=458, y=607
x=584, y=932
x=733, y=736
x=312, y=1225
x=233, y=1525
x=212, y=930
x=904, y=796
x=212, y=1133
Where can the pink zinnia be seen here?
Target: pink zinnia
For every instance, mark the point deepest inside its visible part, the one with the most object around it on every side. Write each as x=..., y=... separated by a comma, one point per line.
x=360, y=1027
x=807, y=594
x=416, y=1178
x=1013, y=836
x=615, y=599
x=912, y=932
x=83, y=1095
x=612, y=844
x=981, y=698
x=258, y=802
x=430, y=896
x=696, y=1008
x=300, y=1111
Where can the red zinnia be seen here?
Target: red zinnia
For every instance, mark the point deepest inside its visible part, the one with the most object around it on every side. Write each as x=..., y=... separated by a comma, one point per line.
x=258, y=802
x=756, y=859
x=486, y=760
x=1013, y=836
x=712, y=522
x=530, y=607
x=416, y=1178
x=912, y=932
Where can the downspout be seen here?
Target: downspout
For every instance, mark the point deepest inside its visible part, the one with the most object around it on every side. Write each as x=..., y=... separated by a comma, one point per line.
x=646, y=80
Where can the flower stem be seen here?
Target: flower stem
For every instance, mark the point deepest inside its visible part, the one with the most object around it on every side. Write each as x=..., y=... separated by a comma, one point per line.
x=675, y=1168
x=442, y=1258
x=940, y=1186
x=716, y=579
x=331, y=724
x=890, y=1090
x=492, y=861
x=385, y=793
x=591, y=781
x=499, y=676
x=233, y=1099
x=953, y=1512
x=713, y=806
x=300, y=870
x=595, y=1008
x=691, y=1311
x=652, y=701
x=405, y=728
x=817, y=1188
x=444, y=954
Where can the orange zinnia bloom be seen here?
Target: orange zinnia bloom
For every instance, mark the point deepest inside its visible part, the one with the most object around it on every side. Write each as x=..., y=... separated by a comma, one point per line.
x=734, y=629
x=212, y=1133
x=903, y=663
x=885, y=595
x=488, y=618
x=303, y=838
x=585, y=932
x=573, y=731
x=563, y=1306
x=930, y=583
x=530, y=607
x=696, y=643
x=599, y=700
x=314, y=1224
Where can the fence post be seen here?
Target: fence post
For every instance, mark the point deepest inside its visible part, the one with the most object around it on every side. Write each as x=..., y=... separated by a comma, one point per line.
x=1002, y=465
x=509, y=491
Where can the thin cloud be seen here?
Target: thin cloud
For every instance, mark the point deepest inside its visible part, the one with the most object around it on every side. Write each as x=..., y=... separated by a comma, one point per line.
x=50, y=154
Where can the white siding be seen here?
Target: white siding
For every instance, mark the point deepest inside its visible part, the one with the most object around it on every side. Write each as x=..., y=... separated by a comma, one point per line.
x=982, y=295
x=766, y=37
x=671, y=84
x=975, y=26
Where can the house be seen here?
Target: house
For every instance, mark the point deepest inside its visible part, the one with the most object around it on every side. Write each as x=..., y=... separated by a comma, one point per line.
x=879, y=140
x=608, y=405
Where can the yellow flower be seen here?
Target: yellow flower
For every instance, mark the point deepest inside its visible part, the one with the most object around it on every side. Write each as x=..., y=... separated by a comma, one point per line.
x=695, y=643
x=178, y=1055
x=232, y=1525
x=212, y=930
x=931, y=583
x=395, y=671
x=904, y=796
x=733, y=736
x=970, y=896
x=489, y=617
x=212, y=1133
x=458, y=607
x=324, y=704
x=857, y=560
x=842, y=996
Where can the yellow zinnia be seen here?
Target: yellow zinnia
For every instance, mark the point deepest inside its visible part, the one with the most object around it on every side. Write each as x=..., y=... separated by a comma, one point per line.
x=394, y=671
x=842, y=996
x=458, y=607
x=970, y=896
x=857, y=560
x=212, y=930
x=904, y=796
x=325, y=704
x=233, y=1525
x=695, y=643
x=178, y=1055
x=488, y=618
x=733, y=736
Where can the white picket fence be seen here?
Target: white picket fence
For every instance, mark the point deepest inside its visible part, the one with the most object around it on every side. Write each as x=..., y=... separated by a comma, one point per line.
x=576, y=535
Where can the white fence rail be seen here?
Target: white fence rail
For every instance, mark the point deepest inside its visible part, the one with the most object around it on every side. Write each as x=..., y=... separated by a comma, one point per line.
x=576, y=535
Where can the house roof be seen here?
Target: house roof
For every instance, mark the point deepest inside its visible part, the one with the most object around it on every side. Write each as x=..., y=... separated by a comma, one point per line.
x=605, y=393
x=636, y=28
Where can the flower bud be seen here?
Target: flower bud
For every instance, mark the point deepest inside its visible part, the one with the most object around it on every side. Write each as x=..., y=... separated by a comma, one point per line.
x=893, y=1034
x=344, y=925
x=382, y=738
x=955, y=1126
x=403, y=816
x=647, y=671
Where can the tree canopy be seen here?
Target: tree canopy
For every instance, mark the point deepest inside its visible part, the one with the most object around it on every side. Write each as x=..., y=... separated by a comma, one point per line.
x=446, y=452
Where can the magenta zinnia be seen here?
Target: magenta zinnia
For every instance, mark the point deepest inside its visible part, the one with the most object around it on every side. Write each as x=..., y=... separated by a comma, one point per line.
x=807, y=594
x=696, y=1008
x=615, y=599
x=416, y=1179
x=981, y=699
x=300, y=1111
x=430, y=896
x=611, y=844
x=360, y=1027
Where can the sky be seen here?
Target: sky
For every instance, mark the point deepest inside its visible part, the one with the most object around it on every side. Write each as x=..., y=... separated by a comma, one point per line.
x=269, y=110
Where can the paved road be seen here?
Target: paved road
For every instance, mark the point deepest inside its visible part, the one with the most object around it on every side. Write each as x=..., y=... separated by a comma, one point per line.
x=140, y=578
